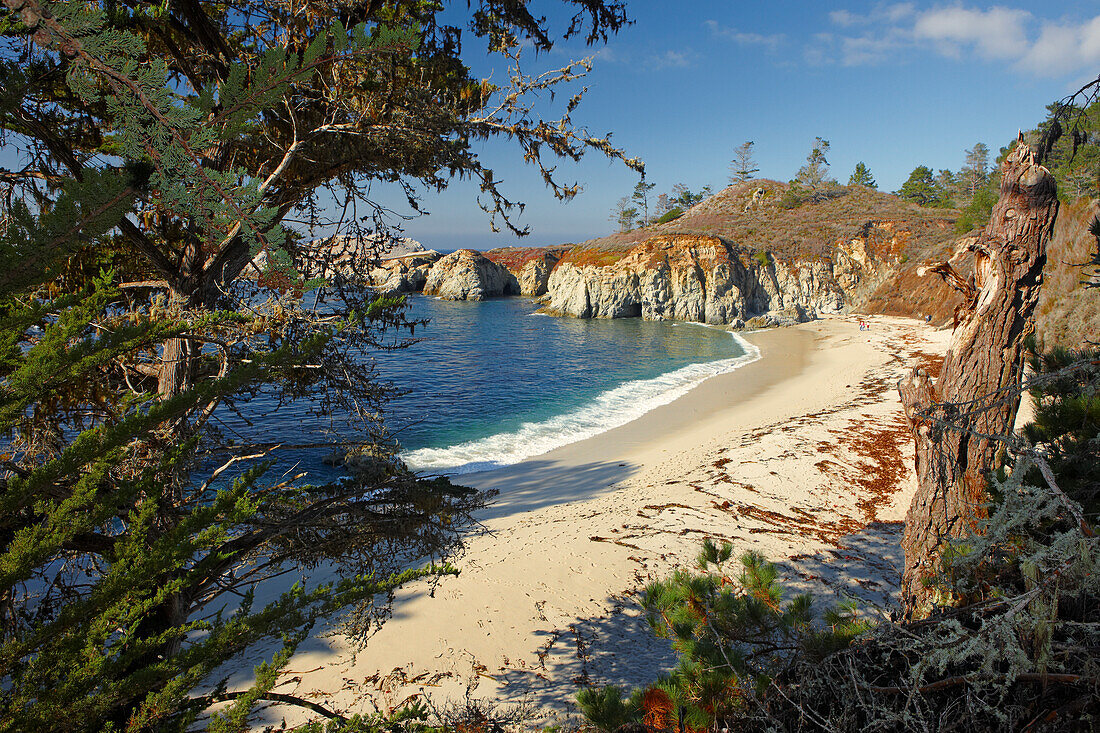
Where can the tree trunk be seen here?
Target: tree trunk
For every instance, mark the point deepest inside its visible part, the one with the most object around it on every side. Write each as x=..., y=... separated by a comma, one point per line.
x=984, y=362
x=178, y=355
x=176, y=367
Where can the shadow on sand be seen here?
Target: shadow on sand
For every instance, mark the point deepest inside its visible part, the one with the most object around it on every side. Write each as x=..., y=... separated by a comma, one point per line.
x=541, y=483
x=618, y=647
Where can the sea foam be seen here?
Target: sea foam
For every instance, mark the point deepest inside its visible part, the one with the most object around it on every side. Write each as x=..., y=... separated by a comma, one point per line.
x=608, y=410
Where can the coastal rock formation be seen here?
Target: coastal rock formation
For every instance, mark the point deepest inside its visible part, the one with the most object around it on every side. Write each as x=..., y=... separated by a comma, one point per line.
x=531, y=266
x=694, y=278
x=404, y=273
x=862, y=263
x=469, y=275
x=534, y=276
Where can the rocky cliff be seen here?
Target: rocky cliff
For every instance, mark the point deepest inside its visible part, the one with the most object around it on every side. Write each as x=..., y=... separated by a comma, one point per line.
x=530, y=265
x=692, y=278
x=404, y=273
x=740, y=258
x=750, y=256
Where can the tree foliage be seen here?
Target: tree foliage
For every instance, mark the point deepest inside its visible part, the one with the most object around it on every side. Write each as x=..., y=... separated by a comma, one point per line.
x=641, y=198
x=685, y=198
x=732, y=632
x=623, y=214
x=815, y=173
x=172, y=145
x=975, y=171
x=921, y=189
x=1067, y=421
x=861, y=176
x=743, y=165
x=1070, y=142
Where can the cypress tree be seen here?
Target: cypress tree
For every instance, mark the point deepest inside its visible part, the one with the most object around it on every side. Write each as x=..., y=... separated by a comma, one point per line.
x=168, y=143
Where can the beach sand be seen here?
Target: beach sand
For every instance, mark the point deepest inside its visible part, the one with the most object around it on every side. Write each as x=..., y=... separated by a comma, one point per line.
x=802, y=455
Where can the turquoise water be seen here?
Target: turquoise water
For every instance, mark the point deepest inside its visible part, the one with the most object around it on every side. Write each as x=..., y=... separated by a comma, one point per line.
x=492, y=383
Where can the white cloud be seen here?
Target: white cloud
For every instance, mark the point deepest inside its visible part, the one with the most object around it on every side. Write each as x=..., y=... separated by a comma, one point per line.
x=863, y=50
x=867, y=50
x=845, y=18
x=997, y=33
x=742, y=38
x=1064, y=48
x=670, y=60
x=898, y=12
x=881, y=13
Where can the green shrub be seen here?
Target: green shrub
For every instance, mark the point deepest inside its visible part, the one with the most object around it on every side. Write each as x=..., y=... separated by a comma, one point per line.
x=733, y=635
x=761, y=257
x=673, y=213
x=965, y=223
x=606, y=709
x=793, y=197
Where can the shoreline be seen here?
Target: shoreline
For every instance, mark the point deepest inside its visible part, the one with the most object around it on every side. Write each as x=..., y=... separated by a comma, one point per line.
x=800, y=454
x=592, y=420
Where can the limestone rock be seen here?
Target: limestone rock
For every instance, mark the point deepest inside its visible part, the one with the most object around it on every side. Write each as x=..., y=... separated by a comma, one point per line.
x=531, y=266
x=404, y=274
x=695, y=278
x=534, y=275
x=469, y=275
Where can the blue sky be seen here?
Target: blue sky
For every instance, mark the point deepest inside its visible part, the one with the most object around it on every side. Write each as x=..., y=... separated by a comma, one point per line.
x=895, y=85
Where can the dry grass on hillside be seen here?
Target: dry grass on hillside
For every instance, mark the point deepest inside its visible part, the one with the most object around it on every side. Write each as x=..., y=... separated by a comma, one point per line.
x=1069, y=313
x=808, y=231
x=514, y=258
x=905, y=293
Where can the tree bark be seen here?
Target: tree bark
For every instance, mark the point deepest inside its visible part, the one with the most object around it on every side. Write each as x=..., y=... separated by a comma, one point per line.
x=976, y=394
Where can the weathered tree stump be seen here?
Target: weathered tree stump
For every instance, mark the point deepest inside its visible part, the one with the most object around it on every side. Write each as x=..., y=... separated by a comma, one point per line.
x=976, y=394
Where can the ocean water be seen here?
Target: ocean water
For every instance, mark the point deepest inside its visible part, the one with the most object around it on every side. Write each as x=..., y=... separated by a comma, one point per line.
x=490, y=383
x=494, y=382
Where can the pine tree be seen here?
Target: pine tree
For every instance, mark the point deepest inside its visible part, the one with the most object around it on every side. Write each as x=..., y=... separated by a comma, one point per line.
x=682, y=196
x=1067, y=420
x=641, y=197
x=743, y=165
x=815, y=173
x=266, y=114
x=920, y=188
x=975, y=172
x=861, y=176
x=623, y=214
x=732, y=632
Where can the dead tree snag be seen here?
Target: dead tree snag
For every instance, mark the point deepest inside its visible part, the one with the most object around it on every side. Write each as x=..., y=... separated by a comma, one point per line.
x=984, y=359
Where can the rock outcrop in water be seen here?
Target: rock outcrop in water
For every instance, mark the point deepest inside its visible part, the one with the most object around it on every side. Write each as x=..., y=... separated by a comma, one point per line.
x=694, y=278
x=530, y=265
x=405, y=273
x=469, y=275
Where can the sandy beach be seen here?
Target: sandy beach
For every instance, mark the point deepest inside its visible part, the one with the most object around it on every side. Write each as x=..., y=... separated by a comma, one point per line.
x=802, y=455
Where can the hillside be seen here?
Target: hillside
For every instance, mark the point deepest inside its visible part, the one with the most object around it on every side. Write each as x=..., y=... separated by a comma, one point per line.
x=761, y=222
x=1069, y=313
x=870, y=244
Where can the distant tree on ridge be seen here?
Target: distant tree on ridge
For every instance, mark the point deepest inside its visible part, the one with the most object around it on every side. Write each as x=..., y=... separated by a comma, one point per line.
x=683, y=197
x=862, y=176
x=623, y=214
x=816, y=170
x=641, y=197
x=975, y=172
x=743, y=165
x=920, y=188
